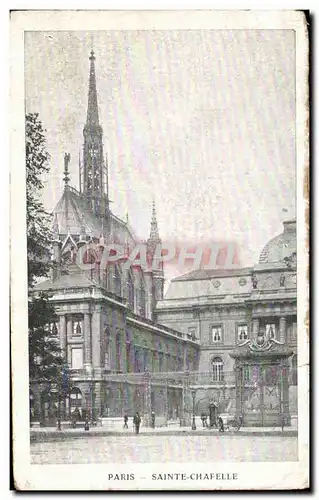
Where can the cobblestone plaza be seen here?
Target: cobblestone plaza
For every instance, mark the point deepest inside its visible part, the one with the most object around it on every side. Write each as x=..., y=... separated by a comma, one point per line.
x=136, y=449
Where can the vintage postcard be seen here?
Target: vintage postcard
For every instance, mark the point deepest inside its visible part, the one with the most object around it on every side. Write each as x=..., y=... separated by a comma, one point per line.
x=159, y=246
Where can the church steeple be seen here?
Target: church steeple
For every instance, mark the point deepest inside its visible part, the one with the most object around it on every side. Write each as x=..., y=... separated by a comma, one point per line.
x=94, y=169
x=154, y=234
x=152, y=242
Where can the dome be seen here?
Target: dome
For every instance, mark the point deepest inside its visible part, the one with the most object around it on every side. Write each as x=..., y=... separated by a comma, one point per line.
x=281, y=246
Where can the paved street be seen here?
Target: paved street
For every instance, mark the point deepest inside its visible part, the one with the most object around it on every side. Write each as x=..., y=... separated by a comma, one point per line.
x=92, y=449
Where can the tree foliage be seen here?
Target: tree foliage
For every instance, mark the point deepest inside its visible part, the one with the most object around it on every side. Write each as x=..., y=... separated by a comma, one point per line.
x=45, y=359
x=38, y=219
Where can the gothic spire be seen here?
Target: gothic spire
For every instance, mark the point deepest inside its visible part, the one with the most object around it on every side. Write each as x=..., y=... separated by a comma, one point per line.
x=154, y=234
x=93, y=111
x=66, y=178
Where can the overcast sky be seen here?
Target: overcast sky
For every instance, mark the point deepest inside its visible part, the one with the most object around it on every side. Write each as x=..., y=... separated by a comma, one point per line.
x=203, y=121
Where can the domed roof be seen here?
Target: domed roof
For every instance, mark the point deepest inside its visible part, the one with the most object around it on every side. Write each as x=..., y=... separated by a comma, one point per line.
x=281, y=246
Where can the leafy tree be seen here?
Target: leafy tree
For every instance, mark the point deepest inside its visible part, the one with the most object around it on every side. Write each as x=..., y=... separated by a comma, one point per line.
x=45, y=358
x=38, y=219
x=45, y=361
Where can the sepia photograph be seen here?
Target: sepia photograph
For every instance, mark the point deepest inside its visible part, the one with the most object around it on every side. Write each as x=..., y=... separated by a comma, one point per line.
x=159, y=187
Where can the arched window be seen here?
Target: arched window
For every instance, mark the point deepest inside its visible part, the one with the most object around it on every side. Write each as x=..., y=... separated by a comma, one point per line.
x=142, y=299
x=294, y=370
x=217, y=366
x=117, y=281
x=130, y=287
x=138, y=361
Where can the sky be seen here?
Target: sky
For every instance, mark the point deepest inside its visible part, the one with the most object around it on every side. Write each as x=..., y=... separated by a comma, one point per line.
x=203, y=121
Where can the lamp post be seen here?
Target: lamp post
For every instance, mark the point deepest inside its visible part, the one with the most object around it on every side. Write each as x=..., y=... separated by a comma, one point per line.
x=59, y=410
x=193, y=392
x=92, y=402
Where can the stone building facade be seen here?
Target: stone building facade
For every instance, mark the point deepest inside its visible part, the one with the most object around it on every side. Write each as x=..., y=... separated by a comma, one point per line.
x=227, y=311
x=106, y=328
x=229, y=336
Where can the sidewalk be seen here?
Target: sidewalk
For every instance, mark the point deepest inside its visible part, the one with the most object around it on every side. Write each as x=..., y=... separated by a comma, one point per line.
x=50, y=433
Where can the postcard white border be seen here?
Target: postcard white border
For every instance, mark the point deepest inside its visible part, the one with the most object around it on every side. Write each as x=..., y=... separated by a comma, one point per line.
x=262, y=475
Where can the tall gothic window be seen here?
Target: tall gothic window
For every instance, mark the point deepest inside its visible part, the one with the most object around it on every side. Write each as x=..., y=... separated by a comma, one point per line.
x=217, y=367
x=118, y=353
x=142, y=299
x=128, y=358
x=160, y=361
x=104, y=278
x=117, y=281
x=130, y=287
x=138, y=361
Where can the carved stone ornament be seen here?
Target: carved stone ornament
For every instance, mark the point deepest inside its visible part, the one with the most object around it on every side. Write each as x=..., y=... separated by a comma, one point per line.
x=216, y=283
x=261, y=343
x=242, y=281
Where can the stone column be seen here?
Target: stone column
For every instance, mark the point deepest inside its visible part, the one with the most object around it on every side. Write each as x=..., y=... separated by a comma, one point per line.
x=96, y=337
x=255, y=328
x=238, y=387
x=186, y=360
x=285, y=392
x=147, y=399
x=282, y=330
x=97, y=399
x=107, y=355
x=148, y=295
x=132, y=358
x=87, y=340
x=63, y=339
x=123, y=353
x=69, y=325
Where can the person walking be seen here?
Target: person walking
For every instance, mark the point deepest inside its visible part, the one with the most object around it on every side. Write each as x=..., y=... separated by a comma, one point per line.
x=203, y=419
x=221, y=424
x=125, y=422
x=153, y=419
x=137, y=422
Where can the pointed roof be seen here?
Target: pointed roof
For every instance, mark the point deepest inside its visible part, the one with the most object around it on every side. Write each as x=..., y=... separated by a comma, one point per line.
x=74, y=215
x=93, y=110
x=154, y=234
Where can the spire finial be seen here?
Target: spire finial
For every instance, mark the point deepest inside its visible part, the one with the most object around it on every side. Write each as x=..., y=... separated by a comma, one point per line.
x=154, y=234
x=93, y=112
x=67, y=158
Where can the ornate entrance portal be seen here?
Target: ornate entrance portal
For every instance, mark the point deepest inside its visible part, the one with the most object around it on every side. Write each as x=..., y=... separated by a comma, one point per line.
x=262, y=382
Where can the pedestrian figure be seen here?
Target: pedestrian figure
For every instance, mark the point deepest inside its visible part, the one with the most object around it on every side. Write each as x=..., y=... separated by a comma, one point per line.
x=203, y=419
x=86, y=425
x=125, y=422
x=221, y=424
x=137, y=422
x=153, y=419
x=282, y=423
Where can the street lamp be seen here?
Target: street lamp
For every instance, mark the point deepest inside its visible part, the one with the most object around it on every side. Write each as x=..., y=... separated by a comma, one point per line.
x=193, y=392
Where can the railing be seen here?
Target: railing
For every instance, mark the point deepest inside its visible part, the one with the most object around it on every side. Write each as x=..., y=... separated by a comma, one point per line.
x=192, y=378
x=166, y=329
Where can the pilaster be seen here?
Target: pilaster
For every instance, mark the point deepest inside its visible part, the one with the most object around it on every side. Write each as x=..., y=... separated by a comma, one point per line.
x=87, y=340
